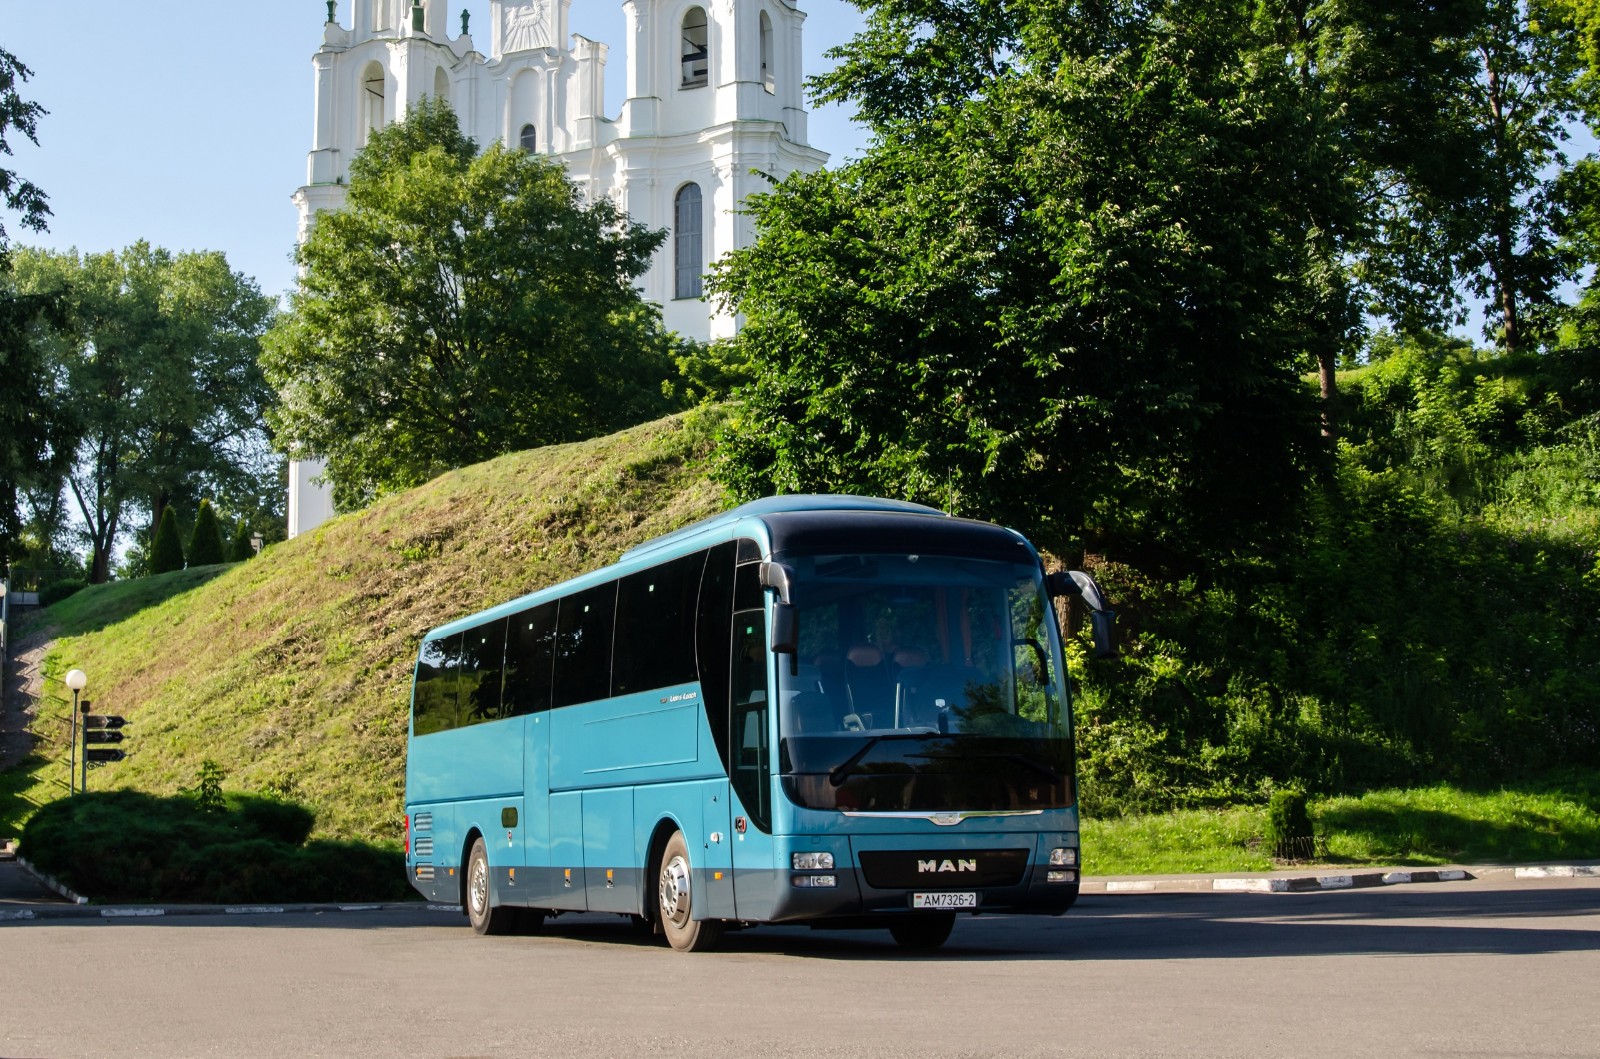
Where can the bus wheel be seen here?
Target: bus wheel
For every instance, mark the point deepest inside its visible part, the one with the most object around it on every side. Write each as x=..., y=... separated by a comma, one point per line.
x=673, y=890
x=923, y=932
x=486, y=917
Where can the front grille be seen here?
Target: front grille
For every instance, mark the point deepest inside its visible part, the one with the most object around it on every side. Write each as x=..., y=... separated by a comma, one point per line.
x=894, y=869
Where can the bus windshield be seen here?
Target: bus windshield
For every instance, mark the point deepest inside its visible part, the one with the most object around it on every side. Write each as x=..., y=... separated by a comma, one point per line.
x=922, y=683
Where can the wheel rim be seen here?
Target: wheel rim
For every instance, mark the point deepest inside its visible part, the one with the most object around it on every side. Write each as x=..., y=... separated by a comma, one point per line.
x=478, y=888
x=675, y=891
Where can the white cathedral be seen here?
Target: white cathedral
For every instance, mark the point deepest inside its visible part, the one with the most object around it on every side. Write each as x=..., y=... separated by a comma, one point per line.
x=714, y=107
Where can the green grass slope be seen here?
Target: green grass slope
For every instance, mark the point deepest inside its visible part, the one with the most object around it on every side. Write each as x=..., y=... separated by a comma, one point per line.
x=293, y=671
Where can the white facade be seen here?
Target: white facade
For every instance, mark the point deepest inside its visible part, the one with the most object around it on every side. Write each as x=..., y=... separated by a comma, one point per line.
x=714, y=107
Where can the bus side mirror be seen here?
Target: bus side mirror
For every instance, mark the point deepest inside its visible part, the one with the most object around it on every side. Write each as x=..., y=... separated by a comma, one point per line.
x=1102, y=619
x=785, y=629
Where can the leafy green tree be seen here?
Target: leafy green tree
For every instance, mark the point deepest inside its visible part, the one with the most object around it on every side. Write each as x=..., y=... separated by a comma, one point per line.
x=205, y=542
x=25, y=427
x=461, y=305
x=22, y=115
x=1060, y=293
x=166, y=550
x=156, y=373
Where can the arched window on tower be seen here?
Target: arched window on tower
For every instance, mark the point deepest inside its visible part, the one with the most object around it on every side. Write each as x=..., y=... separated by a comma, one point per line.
x=441, y=84
x=528, y=140
x=768, y=74
x=688, y=259
x=696, y=49
x=371, y=101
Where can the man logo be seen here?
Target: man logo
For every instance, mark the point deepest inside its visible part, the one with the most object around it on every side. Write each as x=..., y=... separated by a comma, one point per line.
x=946, y=865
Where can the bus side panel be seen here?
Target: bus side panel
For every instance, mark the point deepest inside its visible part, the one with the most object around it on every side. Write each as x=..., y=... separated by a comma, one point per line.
x=483, y=761
x=611, y=875
x=536, y=818
x=687, y=807
x=647, y=737
x=566, y=851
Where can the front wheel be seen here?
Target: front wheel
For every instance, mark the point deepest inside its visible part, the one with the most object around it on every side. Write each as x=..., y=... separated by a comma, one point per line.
x=485, y=916
x=923, y=931
x=675, y=893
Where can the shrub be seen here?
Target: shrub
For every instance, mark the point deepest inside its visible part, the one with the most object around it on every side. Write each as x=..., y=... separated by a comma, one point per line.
x=54, y=593
x=205, y=543
x=166, y=550
x=1289, y=825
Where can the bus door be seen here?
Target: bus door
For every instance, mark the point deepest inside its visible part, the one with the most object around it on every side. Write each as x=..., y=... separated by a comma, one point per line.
x=749, y=756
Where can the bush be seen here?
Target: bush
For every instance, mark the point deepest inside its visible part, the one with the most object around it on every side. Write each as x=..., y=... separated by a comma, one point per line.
x=166, y=550
x=205, y=543
x=124, y=846
x=1289, y=825
x=54, y=593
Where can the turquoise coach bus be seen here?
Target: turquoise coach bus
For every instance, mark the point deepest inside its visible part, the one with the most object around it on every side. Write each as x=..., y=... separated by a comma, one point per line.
x=828, y=710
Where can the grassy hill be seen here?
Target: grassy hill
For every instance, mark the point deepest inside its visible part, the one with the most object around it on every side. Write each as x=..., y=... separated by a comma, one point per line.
x=293, y=671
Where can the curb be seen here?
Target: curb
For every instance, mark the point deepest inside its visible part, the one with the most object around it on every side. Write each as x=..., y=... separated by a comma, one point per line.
x=50, y=882
x=1560, y=871
x=1309, y=883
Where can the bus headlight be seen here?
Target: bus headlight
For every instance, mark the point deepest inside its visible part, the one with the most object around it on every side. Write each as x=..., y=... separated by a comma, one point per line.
x=1060, y=876
x=813, y=861
x=1063, y=858
x=809, y=881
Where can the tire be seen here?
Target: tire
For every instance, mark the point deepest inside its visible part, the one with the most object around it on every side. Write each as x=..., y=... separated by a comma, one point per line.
x=923, y=932
x=485, y=916
x=674, y=895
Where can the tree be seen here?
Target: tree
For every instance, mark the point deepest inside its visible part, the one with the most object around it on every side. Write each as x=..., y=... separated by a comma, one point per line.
x=205, y=542
x=25, y=428
x=1058, y=295
x=22, y=115
x=156, y=374
x=166, y=550
x=460, y=306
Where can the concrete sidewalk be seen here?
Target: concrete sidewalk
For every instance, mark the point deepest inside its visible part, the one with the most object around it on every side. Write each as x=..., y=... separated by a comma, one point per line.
x=19, y=886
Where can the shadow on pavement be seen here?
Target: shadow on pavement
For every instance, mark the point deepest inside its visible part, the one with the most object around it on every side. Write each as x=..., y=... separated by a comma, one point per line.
x=1121, y=927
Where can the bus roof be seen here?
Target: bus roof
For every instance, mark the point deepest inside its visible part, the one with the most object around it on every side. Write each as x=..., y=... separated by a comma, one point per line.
x=769, y=505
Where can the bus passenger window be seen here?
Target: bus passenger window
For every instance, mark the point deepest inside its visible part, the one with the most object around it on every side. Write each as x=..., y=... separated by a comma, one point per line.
x=434, y=697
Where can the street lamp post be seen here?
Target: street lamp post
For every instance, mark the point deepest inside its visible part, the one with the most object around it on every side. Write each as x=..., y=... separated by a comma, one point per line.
x=76, y=680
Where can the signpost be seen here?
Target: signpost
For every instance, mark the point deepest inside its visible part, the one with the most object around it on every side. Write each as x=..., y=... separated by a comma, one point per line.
x=100, y=734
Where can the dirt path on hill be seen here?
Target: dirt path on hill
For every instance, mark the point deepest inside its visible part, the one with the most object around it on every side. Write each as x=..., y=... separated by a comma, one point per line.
x=24, y=684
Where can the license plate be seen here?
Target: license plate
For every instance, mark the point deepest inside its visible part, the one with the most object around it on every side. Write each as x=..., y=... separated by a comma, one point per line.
x=967, y=900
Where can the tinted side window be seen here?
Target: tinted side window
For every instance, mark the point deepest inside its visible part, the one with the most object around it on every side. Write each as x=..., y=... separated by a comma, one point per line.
x=434, y=698
x=655, y=626
x=483, y=653
x=583, y=645
x=530, y=657
x=713, y=640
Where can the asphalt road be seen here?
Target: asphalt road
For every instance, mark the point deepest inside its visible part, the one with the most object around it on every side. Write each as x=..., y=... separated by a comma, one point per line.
x=1470, y=969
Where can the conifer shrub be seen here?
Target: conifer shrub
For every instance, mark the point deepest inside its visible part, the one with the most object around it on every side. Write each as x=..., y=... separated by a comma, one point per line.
x=166, y=550
x=1289, y=832
x=240, y=549
x=205, y=543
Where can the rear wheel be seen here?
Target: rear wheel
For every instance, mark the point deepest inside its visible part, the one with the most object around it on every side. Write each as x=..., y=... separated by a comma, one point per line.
x=485, y=916
x=675, y=894
x=923, y=931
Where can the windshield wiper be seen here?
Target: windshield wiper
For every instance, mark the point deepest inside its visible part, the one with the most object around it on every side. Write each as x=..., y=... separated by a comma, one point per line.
x=842, y=771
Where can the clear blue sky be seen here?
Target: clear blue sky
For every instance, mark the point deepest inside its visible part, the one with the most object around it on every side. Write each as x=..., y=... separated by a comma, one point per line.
x=187, y=123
